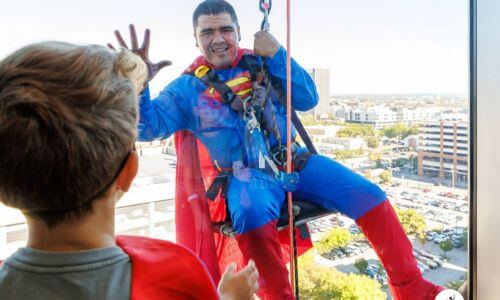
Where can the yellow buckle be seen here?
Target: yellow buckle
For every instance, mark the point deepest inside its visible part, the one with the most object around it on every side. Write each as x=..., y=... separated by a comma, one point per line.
x=201, y=71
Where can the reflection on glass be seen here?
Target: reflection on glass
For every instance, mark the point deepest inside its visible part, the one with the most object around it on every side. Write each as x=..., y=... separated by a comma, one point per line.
x=378, y=147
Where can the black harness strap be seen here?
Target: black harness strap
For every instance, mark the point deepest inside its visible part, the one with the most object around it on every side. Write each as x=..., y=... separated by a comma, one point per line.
x=210, y=79
x=295, y=118
x=300, y=160
x=219, y=184
x=251, y=63
x=256, y=69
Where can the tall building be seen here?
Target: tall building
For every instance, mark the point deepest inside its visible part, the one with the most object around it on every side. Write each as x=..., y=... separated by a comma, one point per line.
x=443, y=150
x=382, y=116
x=321, y=78
x=418, y=114
x=378, y=116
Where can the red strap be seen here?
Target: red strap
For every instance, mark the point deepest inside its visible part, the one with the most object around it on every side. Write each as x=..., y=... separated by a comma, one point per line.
x=164, y=270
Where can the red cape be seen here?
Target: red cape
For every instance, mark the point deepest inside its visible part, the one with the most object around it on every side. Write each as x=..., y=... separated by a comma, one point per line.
x=195, y=213
x=164, y=270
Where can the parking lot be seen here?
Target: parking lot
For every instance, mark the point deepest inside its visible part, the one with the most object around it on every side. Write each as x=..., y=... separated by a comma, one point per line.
x=446, y=213
x=439, y=205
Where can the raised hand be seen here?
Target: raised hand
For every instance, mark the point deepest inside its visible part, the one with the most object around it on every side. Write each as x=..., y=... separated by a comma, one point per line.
x=241, y=285
x=143, y=51
x=265, y=44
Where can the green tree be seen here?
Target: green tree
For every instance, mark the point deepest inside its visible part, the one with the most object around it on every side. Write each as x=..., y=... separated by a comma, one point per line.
x=455, y=284
x=380, y=268
x=411, y=131
x=318, y=282
x=357, y=130
x=464, y=240
x=385, y=177
x=344, y=154
x=400, y=131
x=394, y=131
x=308, y=120
x=412, y=221
x=335, y=238
x=358, y=237
x=361, y=264
x=446, y=246
x=372, y=142
x=375, y=156
x=399, y=162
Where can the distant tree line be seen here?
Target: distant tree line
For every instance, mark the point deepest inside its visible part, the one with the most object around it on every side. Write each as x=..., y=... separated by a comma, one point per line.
x=400, y=131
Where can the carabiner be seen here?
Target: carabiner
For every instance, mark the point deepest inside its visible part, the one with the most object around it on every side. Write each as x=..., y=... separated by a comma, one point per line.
x=265, y=8
x=265, y=5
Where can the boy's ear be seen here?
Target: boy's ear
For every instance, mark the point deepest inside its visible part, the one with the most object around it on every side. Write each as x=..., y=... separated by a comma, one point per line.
x=128, y=173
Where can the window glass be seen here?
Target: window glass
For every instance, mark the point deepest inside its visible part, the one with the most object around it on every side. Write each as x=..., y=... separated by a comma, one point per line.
x=380, y=88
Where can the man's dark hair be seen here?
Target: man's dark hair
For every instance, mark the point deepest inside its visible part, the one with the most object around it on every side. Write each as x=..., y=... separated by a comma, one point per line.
x=213, y=7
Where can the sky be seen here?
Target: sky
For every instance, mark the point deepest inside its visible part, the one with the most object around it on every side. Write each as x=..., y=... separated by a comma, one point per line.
x=382, y=47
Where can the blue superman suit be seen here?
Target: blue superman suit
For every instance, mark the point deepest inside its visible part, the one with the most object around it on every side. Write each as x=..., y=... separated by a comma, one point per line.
x=254, y=197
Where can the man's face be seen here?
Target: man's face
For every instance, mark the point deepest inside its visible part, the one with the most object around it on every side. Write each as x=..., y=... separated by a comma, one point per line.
x=217, y=37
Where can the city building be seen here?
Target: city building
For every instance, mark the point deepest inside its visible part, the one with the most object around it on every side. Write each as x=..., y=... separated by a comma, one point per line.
x=344, y=143
x=443, y=150
x=382, y=116
x=378, y=116
x=415, y=115
x=321, y=78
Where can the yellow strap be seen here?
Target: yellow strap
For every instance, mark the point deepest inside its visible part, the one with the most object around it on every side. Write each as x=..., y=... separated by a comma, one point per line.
x=201, y=71
x=237, y=81
x=244, y=92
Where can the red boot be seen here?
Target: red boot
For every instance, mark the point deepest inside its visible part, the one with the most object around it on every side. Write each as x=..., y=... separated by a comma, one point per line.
x=384, y=231
x=262, y=245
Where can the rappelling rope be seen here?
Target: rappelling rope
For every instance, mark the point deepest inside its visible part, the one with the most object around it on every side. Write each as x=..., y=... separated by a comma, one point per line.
x=291, y=221
x=265, y=8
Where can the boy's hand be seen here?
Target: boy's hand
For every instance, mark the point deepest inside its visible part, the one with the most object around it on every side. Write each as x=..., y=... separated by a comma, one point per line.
x=142, y=52
x=241, y=285
x=265, y=44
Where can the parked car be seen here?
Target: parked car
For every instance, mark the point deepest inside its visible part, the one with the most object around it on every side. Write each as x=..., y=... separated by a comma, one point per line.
x=422, y=266
x=429, y=255
x=440, y=238
x=371, y=272
x=428, y=261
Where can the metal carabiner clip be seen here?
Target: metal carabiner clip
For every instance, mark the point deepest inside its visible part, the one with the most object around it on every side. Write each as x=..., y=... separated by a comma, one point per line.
x=265, y=8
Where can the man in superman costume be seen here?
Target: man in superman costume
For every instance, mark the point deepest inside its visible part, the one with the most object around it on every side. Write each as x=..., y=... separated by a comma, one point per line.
x=204, y=108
